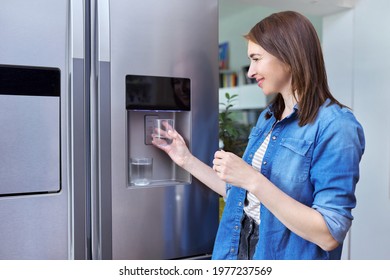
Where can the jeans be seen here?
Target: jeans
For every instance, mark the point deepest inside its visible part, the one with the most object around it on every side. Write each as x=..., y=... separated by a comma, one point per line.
x=248, y=238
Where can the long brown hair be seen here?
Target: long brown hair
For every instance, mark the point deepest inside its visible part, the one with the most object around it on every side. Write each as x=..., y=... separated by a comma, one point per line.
x=290, y=37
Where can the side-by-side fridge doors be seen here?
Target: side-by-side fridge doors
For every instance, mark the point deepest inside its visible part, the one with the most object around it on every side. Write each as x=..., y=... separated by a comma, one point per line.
x=72, y=116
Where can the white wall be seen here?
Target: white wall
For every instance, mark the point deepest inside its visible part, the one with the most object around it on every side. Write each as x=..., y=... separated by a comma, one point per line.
x=357, y=52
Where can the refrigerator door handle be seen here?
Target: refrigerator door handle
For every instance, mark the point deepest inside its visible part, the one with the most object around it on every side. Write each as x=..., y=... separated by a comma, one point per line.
x=100, y=132
x=77, y=29
x=79, y=133
x=103, y=30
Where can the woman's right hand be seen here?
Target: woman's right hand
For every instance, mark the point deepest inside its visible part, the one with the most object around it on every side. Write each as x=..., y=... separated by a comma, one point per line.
x=174, y=146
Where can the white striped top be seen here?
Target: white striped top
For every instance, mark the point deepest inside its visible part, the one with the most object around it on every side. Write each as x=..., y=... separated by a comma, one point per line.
x=252, y=205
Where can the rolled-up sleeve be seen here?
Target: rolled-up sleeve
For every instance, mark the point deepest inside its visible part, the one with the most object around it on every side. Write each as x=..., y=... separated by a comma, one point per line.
x=338, y=225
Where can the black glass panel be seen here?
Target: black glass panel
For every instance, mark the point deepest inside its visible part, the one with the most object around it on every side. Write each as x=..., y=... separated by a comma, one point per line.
x=158, y=93
x=27, y=80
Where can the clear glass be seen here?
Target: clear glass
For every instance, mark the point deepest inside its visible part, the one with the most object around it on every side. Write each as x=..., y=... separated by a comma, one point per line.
x=141, y=171
x=160, y=133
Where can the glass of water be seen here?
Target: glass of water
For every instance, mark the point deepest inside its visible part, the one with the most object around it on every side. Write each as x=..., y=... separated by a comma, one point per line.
x=161, y=128
x=141, y=171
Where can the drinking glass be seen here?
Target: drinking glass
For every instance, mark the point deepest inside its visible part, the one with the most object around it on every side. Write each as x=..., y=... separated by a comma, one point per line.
x=141, y=171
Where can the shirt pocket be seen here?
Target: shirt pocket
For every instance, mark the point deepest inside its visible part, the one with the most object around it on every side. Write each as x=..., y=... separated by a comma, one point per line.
x=255, y=132
x=292, y=160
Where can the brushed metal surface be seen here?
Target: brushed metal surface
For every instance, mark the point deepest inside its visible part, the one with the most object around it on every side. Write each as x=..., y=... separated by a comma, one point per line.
x=164, y=38
x=29, y=144
x=37, y=226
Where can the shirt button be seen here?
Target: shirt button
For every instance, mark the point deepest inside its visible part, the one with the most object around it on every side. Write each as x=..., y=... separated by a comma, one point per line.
x=264, y=163
x=232, y=250
x=273, y=137
x=240, y=203
x=251, y=155
x=236, y=227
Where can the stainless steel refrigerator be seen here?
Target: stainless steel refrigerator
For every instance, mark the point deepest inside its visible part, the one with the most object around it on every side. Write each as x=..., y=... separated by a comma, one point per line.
x=80, y=83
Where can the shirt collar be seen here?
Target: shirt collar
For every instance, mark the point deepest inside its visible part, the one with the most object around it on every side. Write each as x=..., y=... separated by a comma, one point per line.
x=270, y=110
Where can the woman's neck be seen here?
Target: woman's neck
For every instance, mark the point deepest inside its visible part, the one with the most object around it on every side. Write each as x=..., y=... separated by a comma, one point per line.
x=289, y=102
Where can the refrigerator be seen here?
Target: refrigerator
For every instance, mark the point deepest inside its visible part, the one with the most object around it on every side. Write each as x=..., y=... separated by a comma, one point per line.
x=80, y=84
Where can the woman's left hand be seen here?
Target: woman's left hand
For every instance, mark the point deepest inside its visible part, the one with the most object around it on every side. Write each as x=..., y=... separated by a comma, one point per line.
x=232, y=169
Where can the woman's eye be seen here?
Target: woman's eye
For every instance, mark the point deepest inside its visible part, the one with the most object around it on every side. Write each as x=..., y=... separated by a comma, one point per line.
x=256, y=58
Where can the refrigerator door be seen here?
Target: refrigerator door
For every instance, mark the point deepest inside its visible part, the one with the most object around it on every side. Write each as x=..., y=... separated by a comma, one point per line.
x=177, y=218
x=34, y=184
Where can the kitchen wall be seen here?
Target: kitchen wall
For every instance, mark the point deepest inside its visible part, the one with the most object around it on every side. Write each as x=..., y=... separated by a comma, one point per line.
x=357, y=51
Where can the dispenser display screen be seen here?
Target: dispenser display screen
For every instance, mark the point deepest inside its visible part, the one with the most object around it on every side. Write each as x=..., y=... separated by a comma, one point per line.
x=158, y=93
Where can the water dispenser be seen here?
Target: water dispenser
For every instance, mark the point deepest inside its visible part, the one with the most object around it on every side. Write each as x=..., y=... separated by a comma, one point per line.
x=149, y=98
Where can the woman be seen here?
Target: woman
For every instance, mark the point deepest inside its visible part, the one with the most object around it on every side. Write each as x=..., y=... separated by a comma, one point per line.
x=292, y=193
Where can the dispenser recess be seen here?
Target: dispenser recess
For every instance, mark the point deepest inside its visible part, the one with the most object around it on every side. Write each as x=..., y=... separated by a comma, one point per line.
x=149, y=98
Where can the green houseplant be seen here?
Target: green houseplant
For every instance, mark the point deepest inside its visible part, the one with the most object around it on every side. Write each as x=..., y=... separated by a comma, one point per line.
x=232, y=134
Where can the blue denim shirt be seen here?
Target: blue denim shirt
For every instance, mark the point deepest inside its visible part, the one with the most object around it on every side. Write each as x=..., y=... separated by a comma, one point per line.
x=317, y=164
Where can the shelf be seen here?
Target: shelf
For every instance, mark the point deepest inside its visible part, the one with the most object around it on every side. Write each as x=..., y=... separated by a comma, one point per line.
x=228, y=78
x=249, y=97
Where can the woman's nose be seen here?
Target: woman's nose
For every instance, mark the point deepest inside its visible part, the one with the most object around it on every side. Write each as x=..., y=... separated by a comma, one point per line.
x=251, y=73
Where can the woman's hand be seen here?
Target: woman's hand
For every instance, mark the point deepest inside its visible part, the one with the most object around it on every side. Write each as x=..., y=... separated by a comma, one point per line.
x=233, y=170
x=173, y=144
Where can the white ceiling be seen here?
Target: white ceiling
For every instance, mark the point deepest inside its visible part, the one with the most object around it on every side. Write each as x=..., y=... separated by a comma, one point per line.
x=308, y=7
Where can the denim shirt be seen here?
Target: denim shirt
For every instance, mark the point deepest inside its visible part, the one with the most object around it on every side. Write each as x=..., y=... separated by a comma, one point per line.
x=317, y=164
